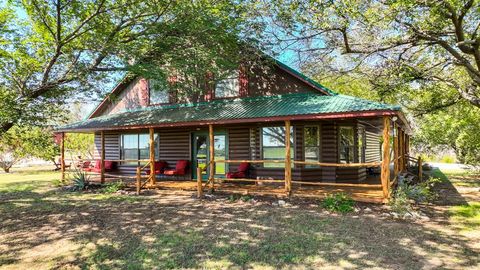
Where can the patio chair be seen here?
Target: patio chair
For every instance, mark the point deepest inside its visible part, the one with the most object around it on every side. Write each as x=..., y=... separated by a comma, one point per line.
x=241, y=172
x=160, y=167
x=109, y=166
x=58, y=165
x=84, y=164
x=180, y=169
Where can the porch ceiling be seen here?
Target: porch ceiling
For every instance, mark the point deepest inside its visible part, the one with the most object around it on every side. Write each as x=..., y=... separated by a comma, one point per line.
x=251, y=109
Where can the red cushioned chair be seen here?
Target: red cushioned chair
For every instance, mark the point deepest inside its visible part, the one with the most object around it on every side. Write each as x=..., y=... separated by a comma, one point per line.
x=180, y=169
x=159, y=167
x=241, y=172
x=108, y=166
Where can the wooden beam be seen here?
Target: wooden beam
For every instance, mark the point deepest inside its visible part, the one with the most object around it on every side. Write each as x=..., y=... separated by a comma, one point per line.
x=288, y=160
x=404, y=150
x=211, y=172
x=385, y=173
x=153, y=179
x=420, y=169
x=138, y=181
x=199, y=183
x=102, y=157
x=62, y=156
x=401, y=154
x=395, y=150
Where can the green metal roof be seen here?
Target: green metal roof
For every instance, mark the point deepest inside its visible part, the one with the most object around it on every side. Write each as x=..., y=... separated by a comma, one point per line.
x=297, y=104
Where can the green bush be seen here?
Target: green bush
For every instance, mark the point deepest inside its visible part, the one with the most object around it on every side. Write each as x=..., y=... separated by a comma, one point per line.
x=112, y=187
x=400, y=202
x=447, y=159
x=80, y=181
x=408, y=193
x=338, y=202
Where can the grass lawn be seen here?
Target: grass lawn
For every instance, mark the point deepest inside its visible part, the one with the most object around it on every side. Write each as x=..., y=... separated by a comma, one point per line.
x=42, y=227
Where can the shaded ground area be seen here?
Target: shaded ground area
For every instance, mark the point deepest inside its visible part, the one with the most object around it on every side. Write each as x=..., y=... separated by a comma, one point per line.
x=42, y=227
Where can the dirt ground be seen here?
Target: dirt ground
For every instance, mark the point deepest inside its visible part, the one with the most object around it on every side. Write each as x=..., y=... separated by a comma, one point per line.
x=43, y=227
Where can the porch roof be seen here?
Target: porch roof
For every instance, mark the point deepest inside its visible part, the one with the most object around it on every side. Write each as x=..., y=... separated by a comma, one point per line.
x=250, y=109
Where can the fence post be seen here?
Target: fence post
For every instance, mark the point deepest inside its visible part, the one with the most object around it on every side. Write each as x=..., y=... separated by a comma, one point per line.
x=420, y=169
x=199, y=183
x=139, y=181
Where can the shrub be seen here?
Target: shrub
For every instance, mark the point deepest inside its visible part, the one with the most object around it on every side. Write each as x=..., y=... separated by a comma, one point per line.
x=408, y=193
x=80, y=181
x=112, y=187
x=400, y=202
x=338, y=202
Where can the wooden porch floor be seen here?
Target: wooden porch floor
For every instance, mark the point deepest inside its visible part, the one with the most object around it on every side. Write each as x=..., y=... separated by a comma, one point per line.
x=369, y=191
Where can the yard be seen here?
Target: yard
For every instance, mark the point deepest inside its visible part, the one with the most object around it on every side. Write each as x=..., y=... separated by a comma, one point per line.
x=43, y=227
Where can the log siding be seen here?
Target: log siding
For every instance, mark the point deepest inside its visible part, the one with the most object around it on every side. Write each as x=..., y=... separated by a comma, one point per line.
x=244, y=142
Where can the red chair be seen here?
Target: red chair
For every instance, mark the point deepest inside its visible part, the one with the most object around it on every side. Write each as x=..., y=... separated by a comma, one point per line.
x=108, y=166
x=241, y=172
x=180, y=169
x=159, y=167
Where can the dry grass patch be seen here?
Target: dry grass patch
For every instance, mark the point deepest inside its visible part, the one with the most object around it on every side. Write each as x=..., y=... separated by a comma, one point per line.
x=44, y=228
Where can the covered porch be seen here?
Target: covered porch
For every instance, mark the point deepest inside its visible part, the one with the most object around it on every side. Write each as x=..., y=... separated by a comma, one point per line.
x=286, y=179
x=294, y=145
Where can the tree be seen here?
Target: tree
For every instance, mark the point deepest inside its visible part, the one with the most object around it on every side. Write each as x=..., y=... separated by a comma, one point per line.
x=456, y=128
x=22, y=142
x=427, y=45
x=53, y=51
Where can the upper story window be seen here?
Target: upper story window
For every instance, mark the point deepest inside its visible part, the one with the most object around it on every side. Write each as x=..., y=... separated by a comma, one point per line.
x=273, y=145
x=312, y=143
x=159, y=91
x=228, y=87
x=347, y=144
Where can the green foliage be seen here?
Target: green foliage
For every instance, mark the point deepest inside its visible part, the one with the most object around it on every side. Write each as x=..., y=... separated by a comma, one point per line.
x=51, y=55
x=455, y=128
x=26, y=141
x=80, y=181
x=400, y=202
x=112, y=187
x=80, y=144
x=408, y=193
x=338, y=202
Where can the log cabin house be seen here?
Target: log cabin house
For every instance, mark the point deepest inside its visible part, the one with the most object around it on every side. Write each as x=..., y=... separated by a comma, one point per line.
x=297, y=137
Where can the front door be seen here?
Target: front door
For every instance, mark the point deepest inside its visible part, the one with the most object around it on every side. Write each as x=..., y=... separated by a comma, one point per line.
x=201, y=155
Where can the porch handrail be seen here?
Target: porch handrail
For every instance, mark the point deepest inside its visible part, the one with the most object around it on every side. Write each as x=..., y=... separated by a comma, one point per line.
x=323, y=164
x=139, y=184
x=113, y=160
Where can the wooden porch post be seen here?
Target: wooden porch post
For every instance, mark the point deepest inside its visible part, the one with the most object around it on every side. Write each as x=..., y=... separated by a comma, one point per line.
x=153, y=179
x=62, y=156
x=395, y=149
x=404, y=150
x=288, y=161
x=385, y=173
x=400, y=150
x=211, y=172
x=102, y=157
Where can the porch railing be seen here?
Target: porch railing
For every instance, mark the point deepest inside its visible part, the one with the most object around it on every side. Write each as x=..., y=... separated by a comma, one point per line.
x=288, y=183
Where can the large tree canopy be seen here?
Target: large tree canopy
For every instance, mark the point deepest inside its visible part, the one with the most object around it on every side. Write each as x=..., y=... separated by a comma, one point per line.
x=51, y=51
x=430, y=44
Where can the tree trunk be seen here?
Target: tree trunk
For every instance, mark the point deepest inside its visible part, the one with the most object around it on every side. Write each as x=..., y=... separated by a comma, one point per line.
x=5, y=127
